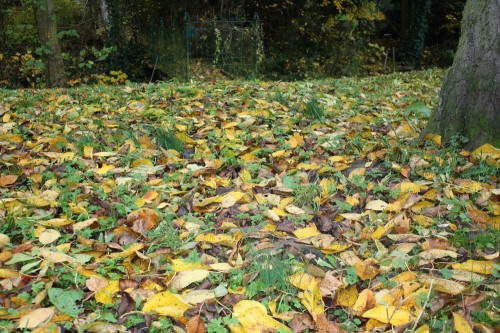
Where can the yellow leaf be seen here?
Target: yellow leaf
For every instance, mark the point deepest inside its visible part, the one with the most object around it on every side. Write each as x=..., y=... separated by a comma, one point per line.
x=434, y=137
x=437, y=254
x=410, y=187
x=57, y=222
x=166, y=304
x=487, y=150
x=460, y=324
x=467, y=186
x=245, y=175
x=294, y=210
x=179, y=265
x=306, y=232
x=49, y=236
x=128, y=252
x=376, y=205
x=424, y=221
x=445, y=286
x=313, y=301
x=296, y=140
x=104, y=169
x=390, y=315
x=366, y=269
x=347, y=296
x=185, y=278
x=366, y=301
x=198, y=296
x=36, y=318
x=8, y=273
x=423, y=329
x=88, y=152
x=105, y=295
x=301, y=280
x=222, y=239
x=335, y=248
x=253, y=318
x=57, y=257
x=476, y=266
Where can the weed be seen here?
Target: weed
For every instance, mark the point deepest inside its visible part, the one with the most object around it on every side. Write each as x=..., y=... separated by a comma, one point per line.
x=306, y=196
x=273, y=272
x=166, y=139
x=482, y=239
x=313, y=110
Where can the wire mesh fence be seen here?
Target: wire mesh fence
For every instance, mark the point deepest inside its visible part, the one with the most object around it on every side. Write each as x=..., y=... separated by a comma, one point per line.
x=232, y=46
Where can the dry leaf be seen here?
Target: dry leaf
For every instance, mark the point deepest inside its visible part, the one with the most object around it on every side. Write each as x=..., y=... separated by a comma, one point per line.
x=36, y=318
x=461, y=324
x=390, y=315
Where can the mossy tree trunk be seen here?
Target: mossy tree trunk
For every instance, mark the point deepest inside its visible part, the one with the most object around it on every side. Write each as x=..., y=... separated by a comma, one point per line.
x=469, y=102
x=45, y=18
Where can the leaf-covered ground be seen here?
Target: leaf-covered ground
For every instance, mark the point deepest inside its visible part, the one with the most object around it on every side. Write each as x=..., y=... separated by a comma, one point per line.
x=244, y=207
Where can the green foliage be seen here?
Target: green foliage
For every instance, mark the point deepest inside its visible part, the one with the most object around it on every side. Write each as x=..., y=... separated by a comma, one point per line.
x=413, y=46
x=314, y=110
x=166, y=139
x=66, y=300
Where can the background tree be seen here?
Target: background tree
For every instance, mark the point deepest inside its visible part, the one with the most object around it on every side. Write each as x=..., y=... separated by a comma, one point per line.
x=470, y=95
x=46, y=23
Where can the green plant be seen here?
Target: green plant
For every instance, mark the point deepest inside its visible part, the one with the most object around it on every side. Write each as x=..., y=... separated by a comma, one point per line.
x=273, y=270
x=165, y=138
x=306, y=196
x=314, y=110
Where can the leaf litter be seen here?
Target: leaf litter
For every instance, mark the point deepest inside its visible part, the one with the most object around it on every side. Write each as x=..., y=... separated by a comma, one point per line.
x=244, y=207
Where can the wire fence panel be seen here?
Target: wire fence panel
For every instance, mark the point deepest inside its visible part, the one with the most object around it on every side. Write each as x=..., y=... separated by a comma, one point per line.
x=233, y=46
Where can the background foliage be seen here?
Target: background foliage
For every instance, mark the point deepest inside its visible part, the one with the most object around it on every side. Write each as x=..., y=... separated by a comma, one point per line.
x=300, y=39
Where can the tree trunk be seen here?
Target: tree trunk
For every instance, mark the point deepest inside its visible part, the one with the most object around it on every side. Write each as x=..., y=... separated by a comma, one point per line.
x=469, y=102
x=45, y=18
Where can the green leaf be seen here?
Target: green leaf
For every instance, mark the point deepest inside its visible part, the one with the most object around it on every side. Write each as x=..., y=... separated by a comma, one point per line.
x=419, y=109
x=66, y=300
x=19, y=257
x=446, y=273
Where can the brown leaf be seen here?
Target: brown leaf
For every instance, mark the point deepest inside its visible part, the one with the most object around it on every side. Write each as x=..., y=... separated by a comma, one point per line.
x=143, y=220
x=301, y=322
x=7, y=180
x=195, y=325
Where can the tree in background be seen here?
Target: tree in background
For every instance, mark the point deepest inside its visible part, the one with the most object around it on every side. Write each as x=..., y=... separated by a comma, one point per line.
x=46, y=23
x=470, y=95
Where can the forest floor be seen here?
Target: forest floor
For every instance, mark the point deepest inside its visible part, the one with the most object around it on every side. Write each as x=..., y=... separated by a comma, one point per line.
x=245, y=207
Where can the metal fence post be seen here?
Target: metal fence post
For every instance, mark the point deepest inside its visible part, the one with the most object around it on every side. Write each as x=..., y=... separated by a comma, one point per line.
x=256, y=24
x=188, y=31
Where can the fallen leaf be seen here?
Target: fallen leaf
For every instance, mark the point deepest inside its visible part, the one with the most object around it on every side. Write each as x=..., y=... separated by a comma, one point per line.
x=460, y=324
x=36, y=318
x=253, y=318
x=476, y=266
x=7, y=180
x=390, y=315
x=105, y=295
x=195, y=325
x=166, y=304
x=183, y=279
x=313, y=301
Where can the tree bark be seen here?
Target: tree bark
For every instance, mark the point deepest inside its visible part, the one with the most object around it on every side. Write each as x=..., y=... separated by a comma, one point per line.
x=45, y=19
x=469, y=102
